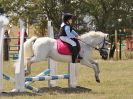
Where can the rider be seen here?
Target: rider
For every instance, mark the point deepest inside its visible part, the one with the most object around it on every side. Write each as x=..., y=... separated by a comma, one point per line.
x=68, y=35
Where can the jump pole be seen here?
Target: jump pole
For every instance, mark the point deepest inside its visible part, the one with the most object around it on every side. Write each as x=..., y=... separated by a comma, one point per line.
x=6, y=77
x=42, y=78
x=51, y=63
x=45, y=72
x=19, y=70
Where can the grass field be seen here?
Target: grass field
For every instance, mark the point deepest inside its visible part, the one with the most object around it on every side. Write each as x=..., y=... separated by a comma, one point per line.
x=116, y=82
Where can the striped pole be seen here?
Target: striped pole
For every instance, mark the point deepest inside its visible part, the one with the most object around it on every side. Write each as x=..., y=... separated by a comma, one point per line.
x=6, y=77
x=45, y=72
x=42, y=78
x=32, y=88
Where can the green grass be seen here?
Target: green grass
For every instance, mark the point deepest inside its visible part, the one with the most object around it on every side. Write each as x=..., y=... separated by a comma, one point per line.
x=116, y=82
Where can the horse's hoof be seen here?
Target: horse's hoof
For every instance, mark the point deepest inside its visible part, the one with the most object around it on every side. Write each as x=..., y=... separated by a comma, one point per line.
x=98, y=81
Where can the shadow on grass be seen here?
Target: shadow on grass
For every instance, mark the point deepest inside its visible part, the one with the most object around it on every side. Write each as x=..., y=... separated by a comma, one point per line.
x=12, y=94
x=61, y=90
x=51, y=91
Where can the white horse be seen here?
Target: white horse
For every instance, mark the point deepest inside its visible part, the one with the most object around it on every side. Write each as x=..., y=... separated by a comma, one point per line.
x=39, y=49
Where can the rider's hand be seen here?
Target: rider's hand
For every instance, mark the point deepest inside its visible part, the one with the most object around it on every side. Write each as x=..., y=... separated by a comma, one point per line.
x=78, y=37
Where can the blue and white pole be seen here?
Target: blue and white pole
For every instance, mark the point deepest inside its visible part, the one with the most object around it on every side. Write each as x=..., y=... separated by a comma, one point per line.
x=6, y=77
x=42, y=78
x=45, y=72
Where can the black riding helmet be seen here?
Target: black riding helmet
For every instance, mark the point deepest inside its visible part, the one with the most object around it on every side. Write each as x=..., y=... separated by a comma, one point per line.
x=67, y=16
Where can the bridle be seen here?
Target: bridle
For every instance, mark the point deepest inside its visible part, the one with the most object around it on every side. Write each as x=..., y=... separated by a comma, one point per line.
x=103, y=51
x=105, y=42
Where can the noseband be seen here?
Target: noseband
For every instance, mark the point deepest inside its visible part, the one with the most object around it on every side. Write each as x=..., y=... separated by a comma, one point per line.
x=103, y=42
x=102, y=50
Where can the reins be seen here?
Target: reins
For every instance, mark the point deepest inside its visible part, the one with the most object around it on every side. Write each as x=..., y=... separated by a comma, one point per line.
x=89, y=45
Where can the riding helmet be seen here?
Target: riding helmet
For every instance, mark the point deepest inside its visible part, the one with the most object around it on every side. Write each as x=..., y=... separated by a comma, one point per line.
x=67, y=16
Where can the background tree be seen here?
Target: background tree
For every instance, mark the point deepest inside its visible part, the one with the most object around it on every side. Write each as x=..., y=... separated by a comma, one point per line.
x=105, y=13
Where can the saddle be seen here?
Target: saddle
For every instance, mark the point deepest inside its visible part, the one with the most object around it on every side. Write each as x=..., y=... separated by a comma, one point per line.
x=63, y=48
x=66, y=49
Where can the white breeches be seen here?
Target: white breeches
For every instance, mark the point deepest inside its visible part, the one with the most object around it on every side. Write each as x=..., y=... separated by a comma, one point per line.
x=68, y=40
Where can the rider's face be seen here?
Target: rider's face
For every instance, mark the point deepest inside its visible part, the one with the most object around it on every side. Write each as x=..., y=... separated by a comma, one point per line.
x=70, y=21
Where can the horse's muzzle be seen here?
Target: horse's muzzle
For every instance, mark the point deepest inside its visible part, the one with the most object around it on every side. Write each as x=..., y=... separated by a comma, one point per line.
x=104, y=54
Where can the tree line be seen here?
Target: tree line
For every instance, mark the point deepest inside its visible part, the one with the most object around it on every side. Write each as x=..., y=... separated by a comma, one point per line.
x=107, y=14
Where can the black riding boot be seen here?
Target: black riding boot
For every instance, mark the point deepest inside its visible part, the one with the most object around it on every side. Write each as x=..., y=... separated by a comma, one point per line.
x=78, y=49
x=74, y=54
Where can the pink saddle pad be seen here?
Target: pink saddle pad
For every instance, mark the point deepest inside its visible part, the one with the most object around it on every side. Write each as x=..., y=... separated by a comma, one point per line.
x=63, y=48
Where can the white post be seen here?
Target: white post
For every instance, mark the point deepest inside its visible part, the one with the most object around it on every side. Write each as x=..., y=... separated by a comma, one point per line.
x=72, y=71
x=3, y=21
x=19, y=70
x=51, y=63
x=1, y=55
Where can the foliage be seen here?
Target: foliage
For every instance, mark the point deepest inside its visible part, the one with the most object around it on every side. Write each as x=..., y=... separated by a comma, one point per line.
x=105, y=12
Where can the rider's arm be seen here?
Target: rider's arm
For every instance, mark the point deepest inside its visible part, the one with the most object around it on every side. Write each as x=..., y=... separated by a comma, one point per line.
x=70, y=34
x=74, y=33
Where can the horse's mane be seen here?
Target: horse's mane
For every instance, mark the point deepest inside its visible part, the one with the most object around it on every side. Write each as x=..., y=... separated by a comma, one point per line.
x=93, y=34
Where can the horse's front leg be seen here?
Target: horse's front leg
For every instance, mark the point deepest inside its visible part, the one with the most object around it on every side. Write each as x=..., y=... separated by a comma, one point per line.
x=94, y=65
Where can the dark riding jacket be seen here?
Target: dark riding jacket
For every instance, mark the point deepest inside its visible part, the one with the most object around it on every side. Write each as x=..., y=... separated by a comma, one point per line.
x=67, y=30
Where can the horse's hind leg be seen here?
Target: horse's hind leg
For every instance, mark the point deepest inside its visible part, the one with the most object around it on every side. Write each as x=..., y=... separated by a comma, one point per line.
x=29, y=61
x=93, y=65
x=28, y=67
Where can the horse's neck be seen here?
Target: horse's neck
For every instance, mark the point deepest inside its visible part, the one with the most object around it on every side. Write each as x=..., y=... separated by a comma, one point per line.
x=90, y=40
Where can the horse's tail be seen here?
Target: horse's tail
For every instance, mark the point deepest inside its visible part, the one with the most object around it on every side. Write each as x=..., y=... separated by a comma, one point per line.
x=28, y=52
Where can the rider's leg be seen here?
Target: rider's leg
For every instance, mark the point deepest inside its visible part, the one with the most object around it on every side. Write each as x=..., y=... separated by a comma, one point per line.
x=68, y=40
x=74, y=53
x=78, y=49
x=73, y=47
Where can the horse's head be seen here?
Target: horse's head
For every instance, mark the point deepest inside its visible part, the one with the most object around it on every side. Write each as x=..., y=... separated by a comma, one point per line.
x=103, y=46
x=97, y=40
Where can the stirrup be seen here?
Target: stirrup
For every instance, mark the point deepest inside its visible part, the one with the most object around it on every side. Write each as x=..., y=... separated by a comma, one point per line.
x=79, y=57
